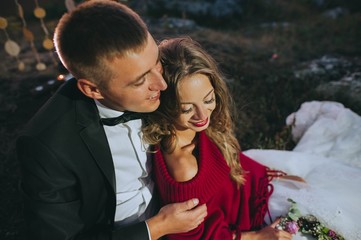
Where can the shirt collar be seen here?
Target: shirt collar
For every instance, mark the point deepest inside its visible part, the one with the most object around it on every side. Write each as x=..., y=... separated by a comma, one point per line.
x=105, y=112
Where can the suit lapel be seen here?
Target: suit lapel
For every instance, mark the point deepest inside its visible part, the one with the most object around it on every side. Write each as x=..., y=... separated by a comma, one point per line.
x=93, y=135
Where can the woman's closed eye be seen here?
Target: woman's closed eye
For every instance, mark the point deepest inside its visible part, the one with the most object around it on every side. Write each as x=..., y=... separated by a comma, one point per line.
x=187, y=110
x=210, y=101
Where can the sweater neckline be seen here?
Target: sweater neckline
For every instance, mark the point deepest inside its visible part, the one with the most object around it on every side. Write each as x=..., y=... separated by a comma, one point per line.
x=212, y=172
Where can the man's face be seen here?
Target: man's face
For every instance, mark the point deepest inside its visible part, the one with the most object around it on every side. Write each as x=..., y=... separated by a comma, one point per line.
x=138, y=81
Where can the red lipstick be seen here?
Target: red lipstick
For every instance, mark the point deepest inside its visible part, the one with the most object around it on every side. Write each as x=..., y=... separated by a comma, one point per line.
x=201, y=124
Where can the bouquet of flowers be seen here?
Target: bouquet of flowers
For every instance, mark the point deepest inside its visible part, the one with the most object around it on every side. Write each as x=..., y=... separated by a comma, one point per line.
x=294, y=222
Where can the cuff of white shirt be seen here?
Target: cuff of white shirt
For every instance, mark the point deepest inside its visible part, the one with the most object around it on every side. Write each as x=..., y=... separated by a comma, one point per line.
x=149, y=236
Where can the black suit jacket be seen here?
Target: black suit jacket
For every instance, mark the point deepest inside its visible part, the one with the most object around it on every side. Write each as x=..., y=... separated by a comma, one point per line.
x=68, y=179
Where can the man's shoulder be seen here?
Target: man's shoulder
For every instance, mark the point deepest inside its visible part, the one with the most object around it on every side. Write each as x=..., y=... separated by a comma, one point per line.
x=59, y=111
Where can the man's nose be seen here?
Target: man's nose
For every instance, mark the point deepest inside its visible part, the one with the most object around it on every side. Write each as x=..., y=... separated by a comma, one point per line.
x=157, y=81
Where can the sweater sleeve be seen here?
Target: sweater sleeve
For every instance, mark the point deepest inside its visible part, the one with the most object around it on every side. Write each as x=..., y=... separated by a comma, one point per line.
x=261, y=190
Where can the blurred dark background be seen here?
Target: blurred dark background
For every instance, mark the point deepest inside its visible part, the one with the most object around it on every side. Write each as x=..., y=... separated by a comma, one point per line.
x=275, y=55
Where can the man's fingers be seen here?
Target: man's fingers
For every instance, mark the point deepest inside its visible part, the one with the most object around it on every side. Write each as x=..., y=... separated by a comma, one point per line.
x=190, y=203
x=195, y=202
x=199, y=212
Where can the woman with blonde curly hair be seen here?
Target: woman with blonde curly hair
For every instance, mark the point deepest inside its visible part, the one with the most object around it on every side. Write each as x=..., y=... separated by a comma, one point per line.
x=196, y=153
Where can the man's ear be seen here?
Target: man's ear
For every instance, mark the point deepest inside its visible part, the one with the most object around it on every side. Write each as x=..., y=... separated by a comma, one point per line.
x=89, y=89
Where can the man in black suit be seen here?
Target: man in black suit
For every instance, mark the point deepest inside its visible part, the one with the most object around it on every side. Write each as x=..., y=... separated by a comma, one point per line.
x=85, y=176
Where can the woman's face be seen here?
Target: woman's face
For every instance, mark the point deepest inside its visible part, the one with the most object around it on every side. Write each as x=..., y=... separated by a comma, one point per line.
x=197, y=100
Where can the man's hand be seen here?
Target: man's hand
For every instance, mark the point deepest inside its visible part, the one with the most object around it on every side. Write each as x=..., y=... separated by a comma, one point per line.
x=177, y=218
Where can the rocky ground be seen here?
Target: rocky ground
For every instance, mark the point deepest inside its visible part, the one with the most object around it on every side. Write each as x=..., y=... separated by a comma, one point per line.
x=271, y=67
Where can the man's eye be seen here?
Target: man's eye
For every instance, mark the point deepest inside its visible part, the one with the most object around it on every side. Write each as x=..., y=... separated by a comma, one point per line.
x=140, y=82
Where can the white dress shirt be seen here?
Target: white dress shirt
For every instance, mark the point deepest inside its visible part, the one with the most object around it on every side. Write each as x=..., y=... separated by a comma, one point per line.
x=134, y=186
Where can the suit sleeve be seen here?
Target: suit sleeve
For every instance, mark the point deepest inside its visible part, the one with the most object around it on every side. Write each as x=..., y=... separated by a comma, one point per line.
x=52, y=200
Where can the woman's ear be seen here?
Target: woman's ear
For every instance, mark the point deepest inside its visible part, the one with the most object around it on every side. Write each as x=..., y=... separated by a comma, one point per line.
x=89, y=89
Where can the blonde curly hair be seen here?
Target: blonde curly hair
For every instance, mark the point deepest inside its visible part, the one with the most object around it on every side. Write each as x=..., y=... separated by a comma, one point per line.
x=182, y=57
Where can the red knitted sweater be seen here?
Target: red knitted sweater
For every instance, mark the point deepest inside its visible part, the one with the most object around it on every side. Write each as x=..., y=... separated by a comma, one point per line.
x=230, y=210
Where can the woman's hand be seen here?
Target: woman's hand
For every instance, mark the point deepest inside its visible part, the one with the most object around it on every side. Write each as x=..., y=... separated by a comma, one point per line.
x=270, y=233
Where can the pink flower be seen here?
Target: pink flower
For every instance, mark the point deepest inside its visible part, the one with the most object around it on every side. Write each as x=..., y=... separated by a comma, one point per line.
x=292, y=227
x=332, y=234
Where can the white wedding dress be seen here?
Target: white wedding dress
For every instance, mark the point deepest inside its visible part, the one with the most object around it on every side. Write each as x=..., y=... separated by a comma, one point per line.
x=328, y=157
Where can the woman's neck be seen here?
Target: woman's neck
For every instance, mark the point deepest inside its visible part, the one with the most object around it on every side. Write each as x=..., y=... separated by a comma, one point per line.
x=182, y=162
x=185, y=138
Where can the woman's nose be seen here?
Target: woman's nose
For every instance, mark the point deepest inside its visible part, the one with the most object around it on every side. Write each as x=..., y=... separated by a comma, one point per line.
x=201, y=113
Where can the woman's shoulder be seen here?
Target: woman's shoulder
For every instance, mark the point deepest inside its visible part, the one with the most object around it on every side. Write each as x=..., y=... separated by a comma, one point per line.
x=250, y=165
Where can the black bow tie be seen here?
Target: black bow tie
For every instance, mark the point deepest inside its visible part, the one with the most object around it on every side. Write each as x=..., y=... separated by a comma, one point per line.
x=125, y=117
